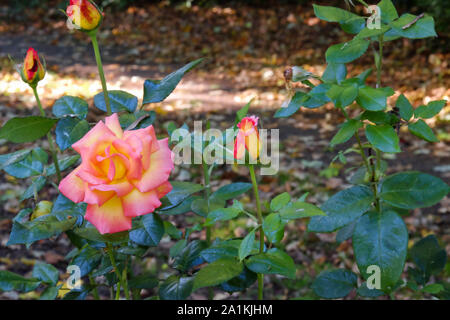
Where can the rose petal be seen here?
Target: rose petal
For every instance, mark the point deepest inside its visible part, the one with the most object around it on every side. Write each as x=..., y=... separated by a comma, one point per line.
x=253, y=144
x=137, y=203
x=98, y=138
x=164, y=189
x=99, y=197
x=161, y=164
x=239, y=146
x=108, y=218
x=73, y=187
x=112, y=122
x=121, y=188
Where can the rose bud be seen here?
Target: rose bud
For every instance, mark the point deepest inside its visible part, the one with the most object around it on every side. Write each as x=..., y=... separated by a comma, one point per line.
x=32, y=70
x=122, y=175
x=247, y=138
x=84, y=14
x=43, y=208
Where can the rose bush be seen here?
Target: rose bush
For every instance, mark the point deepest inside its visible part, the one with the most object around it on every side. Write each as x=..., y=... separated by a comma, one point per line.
x=115, y=201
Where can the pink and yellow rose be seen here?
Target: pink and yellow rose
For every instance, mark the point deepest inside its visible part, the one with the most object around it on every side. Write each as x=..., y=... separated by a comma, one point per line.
x=32, y=70
x=247, y=138
x=84, y=14
x=123, y=174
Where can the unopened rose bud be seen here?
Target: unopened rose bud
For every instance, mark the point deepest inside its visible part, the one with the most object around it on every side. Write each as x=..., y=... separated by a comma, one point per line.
x=300, y=74
x=288, y=74
x=32, y=70
x=84, y=14
x=43, y=208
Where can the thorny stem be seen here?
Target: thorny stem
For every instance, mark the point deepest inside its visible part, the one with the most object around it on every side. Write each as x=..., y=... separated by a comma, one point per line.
x=261, y=231
x=98, y=59
x=49, y=136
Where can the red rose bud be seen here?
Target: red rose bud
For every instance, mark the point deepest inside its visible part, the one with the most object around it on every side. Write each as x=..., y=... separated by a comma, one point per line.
x=32, y=70
x=84, y=14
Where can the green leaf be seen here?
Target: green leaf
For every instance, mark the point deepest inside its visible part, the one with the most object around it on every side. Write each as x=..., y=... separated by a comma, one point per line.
x=353, y=25
x=383, y=137
x=274, y=261
x=280, y=201
x=433, y=288
x=50, y=293
x=317, y=96
x=87, y=260
x=405, y=108
x=332, y=14
x=381, y=239
x=143, y=281
x=31, y=165
x=388, y=11
x=422, y=28
x=429, y=111
x=157, y=91
x=222, y=214
x=346, y=52
x=247, y=245
x=26, y=129
x=412, y=189
x=46, y=273
x=64, y=163
x=176, y=288
x=342, y=208
x=368, y=33
x=295, y=104
x=152, y=232
x=190, y=256
x=335, y=73
x=177, y=247
x=342, y=96
x=241, y=282
x=231, y=190
x=241, y=113
x=172, y=231
x=299, y=210
x=372, y=99
x=89, y=232
x=13, y=282
x=333, y=284
x=11, y=158
x=70, y=106
x=36, y=185
x=202, y=207
x=347, y=130
x=273, y=228
x=70, y=130
x=345, y=232
x=428, y=256
x=364, y=291
x=423, y=131
x=380, y=117
x=181, y=190
x=64, y=207
x=218, y=272
x=119, y=101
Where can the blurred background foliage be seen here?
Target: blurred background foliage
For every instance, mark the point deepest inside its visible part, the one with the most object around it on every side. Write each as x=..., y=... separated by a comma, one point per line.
x=439, y=9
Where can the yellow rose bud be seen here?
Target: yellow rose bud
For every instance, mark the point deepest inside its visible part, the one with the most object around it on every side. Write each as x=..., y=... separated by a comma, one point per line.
x=84, y=14
x=43, y=208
